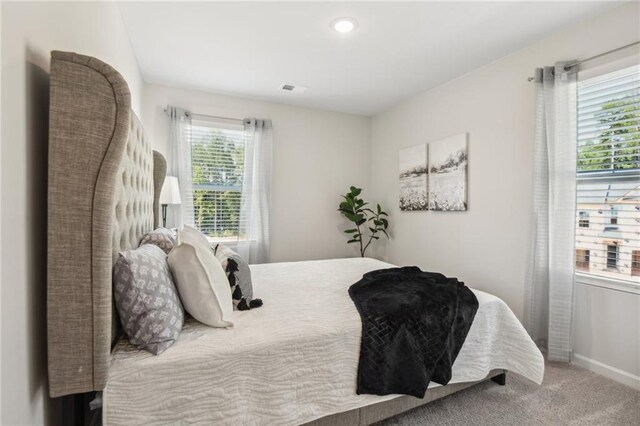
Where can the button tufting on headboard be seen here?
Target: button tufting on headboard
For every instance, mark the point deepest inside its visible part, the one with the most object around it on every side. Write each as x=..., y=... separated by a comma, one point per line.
x=133, y=191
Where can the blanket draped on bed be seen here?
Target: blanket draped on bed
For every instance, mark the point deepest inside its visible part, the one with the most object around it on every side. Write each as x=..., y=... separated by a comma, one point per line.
x=413, y=326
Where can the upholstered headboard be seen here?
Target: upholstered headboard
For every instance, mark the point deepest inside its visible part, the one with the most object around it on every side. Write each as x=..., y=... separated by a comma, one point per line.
x=104, y=183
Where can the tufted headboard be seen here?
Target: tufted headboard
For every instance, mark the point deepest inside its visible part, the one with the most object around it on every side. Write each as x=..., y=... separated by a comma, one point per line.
x=104, y=183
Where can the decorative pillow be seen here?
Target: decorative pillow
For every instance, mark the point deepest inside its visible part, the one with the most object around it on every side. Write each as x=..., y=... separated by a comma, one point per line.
x=201, y=282
x=239, y=275
x=192, y=235
x=146, y=298
x=161, y=237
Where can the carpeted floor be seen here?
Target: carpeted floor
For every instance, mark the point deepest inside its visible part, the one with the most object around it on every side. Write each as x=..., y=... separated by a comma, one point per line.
x=569, y=395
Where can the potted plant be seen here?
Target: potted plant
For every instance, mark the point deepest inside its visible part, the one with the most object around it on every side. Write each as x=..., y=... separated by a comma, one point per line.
x=355, y=210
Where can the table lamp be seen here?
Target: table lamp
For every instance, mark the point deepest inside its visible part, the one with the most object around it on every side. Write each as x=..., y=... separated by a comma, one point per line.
x=170, y=194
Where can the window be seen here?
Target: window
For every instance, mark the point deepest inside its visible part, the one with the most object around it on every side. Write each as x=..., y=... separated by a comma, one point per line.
x=217, y=167
x=582, y=259
x=608, y=175
x=583, y=219
x=635, y=263
x=612, y=256
x=613, y=218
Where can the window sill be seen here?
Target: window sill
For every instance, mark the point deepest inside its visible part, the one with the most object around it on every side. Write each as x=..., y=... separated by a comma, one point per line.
x=228, y=241
x=609, y=283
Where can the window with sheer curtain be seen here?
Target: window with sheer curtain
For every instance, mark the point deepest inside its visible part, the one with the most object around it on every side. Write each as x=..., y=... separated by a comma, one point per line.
x=608, y=176
x=217, y=170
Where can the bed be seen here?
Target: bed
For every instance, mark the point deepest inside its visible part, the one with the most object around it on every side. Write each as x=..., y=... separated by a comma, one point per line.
x=292, y=361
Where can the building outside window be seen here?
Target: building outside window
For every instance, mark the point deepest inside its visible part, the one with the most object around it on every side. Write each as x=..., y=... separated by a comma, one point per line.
x=613, y=219
x=612, y=256
x=635, y=263
x=583, y=219
x=608, y=176
x=582, y=259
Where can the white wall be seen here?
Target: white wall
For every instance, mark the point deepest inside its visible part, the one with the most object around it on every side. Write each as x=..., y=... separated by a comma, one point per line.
x=29, y=32
x=487, y=246
x=317, y=155
x=608, y=332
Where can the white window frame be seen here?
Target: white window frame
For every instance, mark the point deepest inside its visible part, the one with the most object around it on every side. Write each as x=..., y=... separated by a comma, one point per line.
x=608, y=65
x=219, y=124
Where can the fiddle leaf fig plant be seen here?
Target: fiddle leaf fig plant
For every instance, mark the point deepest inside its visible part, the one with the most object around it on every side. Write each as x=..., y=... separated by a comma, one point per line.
x=355, y=210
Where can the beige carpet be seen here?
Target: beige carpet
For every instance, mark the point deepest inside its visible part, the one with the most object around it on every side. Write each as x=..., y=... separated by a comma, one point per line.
x=569, y=395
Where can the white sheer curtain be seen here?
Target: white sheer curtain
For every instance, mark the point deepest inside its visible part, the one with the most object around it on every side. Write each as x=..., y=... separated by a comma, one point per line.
x=256, y=188
x=550, y=271
x=180, y=163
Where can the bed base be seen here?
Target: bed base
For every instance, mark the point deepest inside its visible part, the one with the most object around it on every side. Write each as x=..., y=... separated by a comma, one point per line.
x=500, y=379
x=383, y=410
x=78, y=413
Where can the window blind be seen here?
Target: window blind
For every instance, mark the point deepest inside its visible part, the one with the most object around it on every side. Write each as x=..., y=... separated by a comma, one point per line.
x=608, y=175
x=217, y=167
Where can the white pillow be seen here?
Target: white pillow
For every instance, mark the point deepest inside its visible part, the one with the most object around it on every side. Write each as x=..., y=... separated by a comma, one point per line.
x=193, y=236
x=203, y=286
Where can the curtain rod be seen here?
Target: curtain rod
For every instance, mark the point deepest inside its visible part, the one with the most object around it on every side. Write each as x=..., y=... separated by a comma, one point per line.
x=218, y=117
x=211, y=116
x=591, y=58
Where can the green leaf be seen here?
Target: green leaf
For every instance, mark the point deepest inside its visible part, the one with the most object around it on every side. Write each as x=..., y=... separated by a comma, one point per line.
x=373, y=230
x=355, y=191
x=360, y=222
x=385, y=223
x=379, y=209
x=350, y=231
x=385, y=233
x=353, y=241
x=351, y=216
x=383, y=214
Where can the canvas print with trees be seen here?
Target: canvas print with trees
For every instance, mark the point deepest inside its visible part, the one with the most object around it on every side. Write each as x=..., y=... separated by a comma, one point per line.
x=413, y=178
x=448, y=174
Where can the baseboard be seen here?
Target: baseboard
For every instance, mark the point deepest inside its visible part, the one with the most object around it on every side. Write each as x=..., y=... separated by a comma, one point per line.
x=607, y=371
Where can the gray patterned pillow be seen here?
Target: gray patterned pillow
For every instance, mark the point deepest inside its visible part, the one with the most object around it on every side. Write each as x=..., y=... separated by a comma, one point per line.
x=146, y=298
x=161, y=237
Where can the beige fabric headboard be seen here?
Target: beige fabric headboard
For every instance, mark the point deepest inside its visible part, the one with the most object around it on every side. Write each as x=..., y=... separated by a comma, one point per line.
x=104, y=183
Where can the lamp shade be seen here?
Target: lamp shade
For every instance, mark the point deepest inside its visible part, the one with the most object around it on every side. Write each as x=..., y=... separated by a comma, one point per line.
x=170, y=193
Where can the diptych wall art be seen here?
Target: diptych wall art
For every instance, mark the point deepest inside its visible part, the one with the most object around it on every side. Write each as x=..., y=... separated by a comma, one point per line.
x=433, y=176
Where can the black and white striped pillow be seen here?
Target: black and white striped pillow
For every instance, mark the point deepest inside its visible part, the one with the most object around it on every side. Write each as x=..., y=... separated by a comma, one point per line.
x=239, y=275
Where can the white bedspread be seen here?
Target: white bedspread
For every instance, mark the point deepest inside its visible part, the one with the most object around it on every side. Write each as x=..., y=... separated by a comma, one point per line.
x=291, y=361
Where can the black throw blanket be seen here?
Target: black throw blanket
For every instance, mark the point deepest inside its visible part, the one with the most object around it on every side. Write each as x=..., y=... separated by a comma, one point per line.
x=413, y=326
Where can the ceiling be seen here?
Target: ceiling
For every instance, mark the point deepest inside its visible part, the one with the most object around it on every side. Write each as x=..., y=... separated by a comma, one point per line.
x=398, y=49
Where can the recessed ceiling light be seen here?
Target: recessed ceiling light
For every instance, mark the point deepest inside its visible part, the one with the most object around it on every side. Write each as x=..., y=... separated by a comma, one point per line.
x=344, y=25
